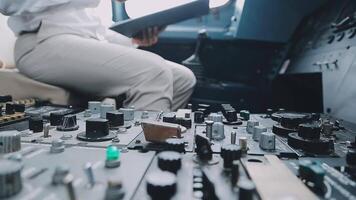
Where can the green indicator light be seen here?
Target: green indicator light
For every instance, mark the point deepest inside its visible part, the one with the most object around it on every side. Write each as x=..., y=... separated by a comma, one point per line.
x=112, y=153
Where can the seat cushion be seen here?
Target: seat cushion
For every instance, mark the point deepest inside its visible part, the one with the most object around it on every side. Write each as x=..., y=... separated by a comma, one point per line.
x=20, y=87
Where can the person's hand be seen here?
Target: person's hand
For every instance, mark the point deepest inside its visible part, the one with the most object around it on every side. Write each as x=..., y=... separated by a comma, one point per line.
x=147, y=37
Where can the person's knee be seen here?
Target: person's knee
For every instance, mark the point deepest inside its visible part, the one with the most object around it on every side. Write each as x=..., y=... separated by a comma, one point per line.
x=191, y=78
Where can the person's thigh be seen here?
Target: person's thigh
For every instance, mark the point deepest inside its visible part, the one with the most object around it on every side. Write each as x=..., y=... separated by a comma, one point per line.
x=183, y=84
x=99, y=68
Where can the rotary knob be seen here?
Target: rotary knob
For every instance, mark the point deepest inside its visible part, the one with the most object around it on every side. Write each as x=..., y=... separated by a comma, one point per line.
x=351, y=157
x=10, y=178
x=215, y=117
x=230, y=152
x=5, y=99
x=245, y=114
x=268, y=141
x=59, y=174
x=18, y=107
x=105, y=108
x=9, y=109
x=10, y=141
x=292, y=121
x=170, y=161
x=115, y=118
x=205, y=108
x=96, y=130
x=257, y=132
x=198, y=117
x=246, y=189
x=161, y=185
x=309, y=131
x=94, y=106
x=173, y=144
x=35, y=124
x=218, y=131
x=69, y=123
x=231, y=115
x=129, y=113
x=251, y=124
x=56, y=118
x=114, y=191
x=57, y=146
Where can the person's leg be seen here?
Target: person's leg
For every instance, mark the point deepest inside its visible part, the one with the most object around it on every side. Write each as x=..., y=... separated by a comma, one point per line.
x=102, y=69
x=183, y=85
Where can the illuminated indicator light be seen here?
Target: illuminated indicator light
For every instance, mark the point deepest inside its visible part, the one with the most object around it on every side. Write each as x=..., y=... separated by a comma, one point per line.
x=112, y=153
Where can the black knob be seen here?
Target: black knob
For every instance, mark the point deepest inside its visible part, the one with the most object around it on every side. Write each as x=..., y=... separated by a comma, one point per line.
x=96, y=128
x=351, y=157
x=161, y=185
x=198, y=117
x=230, y=152
x=56, y=118
x=205, y=108
x=20, y=108
x=269, y=112
x=187, y=123
x=231, y=115
x=173, y=144
x=292, y=121
x=35, y=124
x=246, y=189
x=69, y=123
x=169, y=118
x=115, y=118
x=309, y=131
x=190, y=106
x=5, y=99
x=170, y=161
x=9, y=109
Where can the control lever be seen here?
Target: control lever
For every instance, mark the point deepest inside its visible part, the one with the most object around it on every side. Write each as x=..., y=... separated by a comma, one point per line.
x=203, y=148
x=194, y=62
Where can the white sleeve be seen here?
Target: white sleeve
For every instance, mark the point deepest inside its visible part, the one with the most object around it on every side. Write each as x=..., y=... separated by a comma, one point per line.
x=23, y=7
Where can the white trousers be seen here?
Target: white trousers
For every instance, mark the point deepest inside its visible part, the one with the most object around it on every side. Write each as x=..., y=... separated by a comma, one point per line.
x=106, y=69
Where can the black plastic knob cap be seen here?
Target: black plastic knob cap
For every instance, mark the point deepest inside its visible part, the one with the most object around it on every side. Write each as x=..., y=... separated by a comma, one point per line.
x=161, y=185
x=173, y=144
x=231, y=115
x=351, y=157
x=246, y=189
x=20, y=108
x=230, y=152
x=5, y=99
x=115, y=118
x=10, y=109
x=292, y=121
x=56, y=118
x=97, y=128
x=204, y=107
x=309, y=131
x=170, y=161
x=198, y=117
x=35, y=124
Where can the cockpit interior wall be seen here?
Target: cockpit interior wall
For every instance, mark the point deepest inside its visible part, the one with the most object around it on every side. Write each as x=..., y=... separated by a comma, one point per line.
x=273, y=20
x=326, y=44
